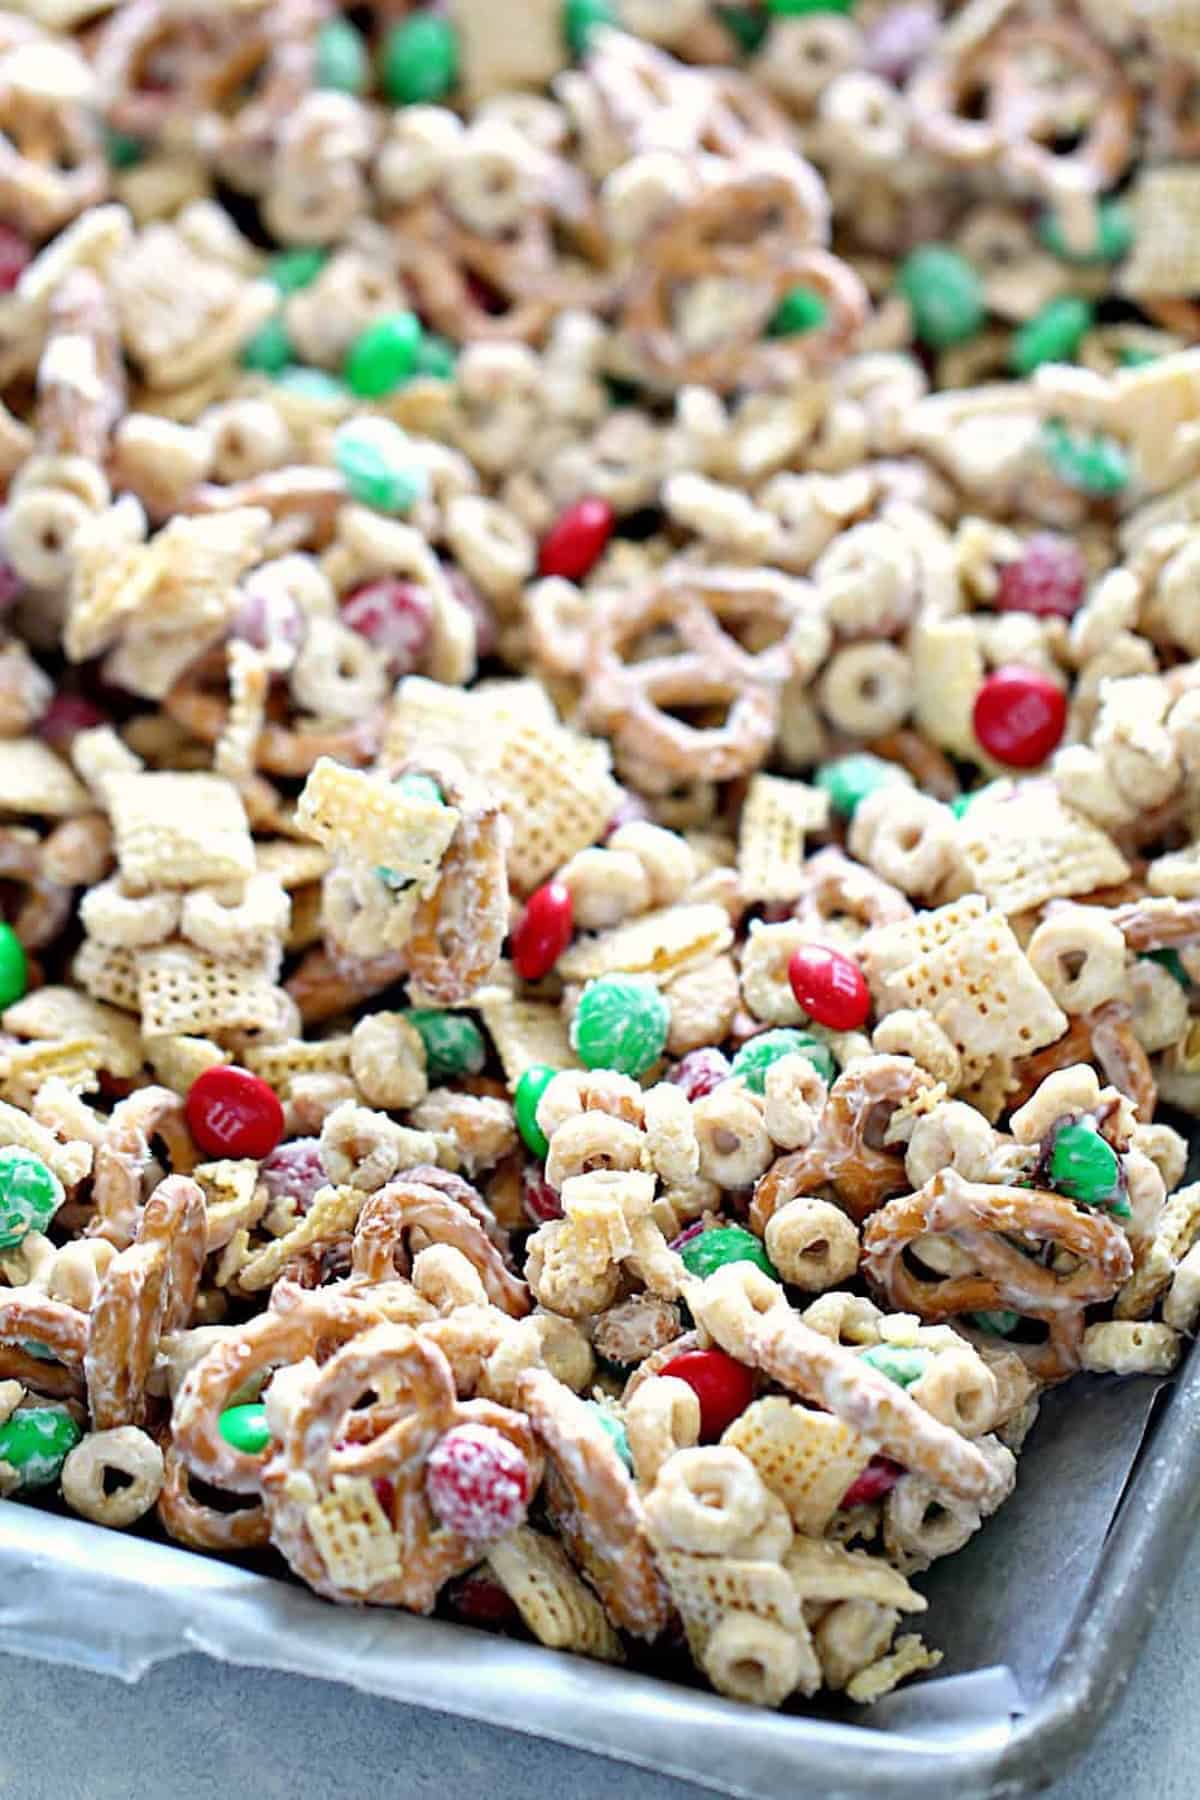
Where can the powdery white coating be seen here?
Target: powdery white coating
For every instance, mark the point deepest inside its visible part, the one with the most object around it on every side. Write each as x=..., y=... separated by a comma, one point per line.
x=477, y=1483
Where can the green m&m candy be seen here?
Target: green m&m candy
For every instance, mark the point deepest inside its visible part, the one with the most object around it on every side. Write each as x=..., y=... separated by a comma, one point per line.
x=1085, y=1166
x=1171, y=961
x=755, y=1058
x=14, y=970
x=580, y=18
x=453, y=1044
x=1001, y=1323
x=1053, y=335
x=802, y=309
x=1114, y=235
x=613, y=1429
x=317, y=385
x=384, y=356
x=850, y=779
x=292, y=270
x=342, y=61
x=1089, y=461
x=437, y=357
x=419, y=63
x=899, y=1363
x=720, y=1244
x=944, y=293
x=378, y=464
x=621, y=1023
x=30, y=1195
x=123, y=151
x=245, y=1427
x=746, y=25
x=804, y=9
x=530, y=1088
x=270, y=349
x=35, y=1441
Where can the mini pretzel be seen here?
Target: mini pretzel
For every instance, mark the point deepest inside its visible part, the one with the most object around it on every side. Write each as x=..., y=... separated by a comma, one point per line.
x=594, y=1505
x=628, y=698
x=46, y=905
x=847, y=1156
x=479, y=289
x=1105, y=1037
x=755, y=227
x=1150, y=924
x=281, y=749
x=330, y=1440
x=145, y=1292
x=748, y=1315
x=52, y=162
x=324, y=986
x=410, y=1205
x=189, y=1521
x=30, y=1317
x=124, y=1154
x=297, y=1328
x=1000, y=1229
x=1016, y=120
x=457, y=931
x=834, y=887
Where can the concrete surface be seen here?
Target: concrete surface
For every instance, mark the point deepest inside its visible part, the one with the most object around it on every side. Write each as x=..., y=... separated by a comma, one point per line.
x=193, y=1730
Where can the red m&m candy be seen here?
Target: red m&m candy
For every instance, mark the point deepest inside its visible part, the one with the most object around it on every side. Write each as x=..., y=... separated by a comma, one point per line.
x=829, y=986
x=877, y=1479
x=543, y=931
x=575, y=542
x=16, y=252
x=478, y=1483
x=1020, y=716
x=723, y=1387
x=1048, y=579
x=233, y=1113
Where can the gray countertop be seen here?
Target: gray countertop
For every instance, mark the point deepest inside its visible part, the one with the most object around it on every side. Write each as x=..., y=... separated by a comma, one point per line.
x=196, y=1730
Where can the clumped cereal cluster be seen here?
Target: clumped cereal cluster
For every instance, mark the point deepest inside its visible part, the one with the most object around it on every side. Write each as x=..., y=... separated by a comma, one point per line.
x=600, y=763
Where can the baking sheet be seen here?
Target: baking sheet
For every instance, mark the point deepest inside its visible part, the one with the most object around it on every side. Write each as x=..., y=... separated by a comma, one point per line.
x=1021, y=1603
x=1040, y=1619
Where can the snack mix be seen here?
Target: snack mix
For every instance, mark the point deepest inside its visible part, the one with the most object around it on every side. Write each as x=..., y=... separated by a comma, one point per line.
x=600, y=758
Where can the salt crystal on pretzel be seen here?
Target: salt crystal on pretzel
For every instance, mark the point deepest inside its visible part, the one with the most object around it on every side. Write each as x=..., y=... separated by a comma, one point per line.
x=776, y=816
x=185, y=990
x=371, y=820
x=526, y=1032
x=557, y=790
x=1023, y=847
x=33, y=780
x=179, y=830
x=63, y=1012
x=808, y=1459
x=660, y=944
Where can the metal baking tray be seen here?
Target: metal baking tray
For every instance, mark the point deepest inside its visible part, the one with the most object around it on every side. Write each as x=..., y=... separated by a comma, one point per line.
x=1041, y=1618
